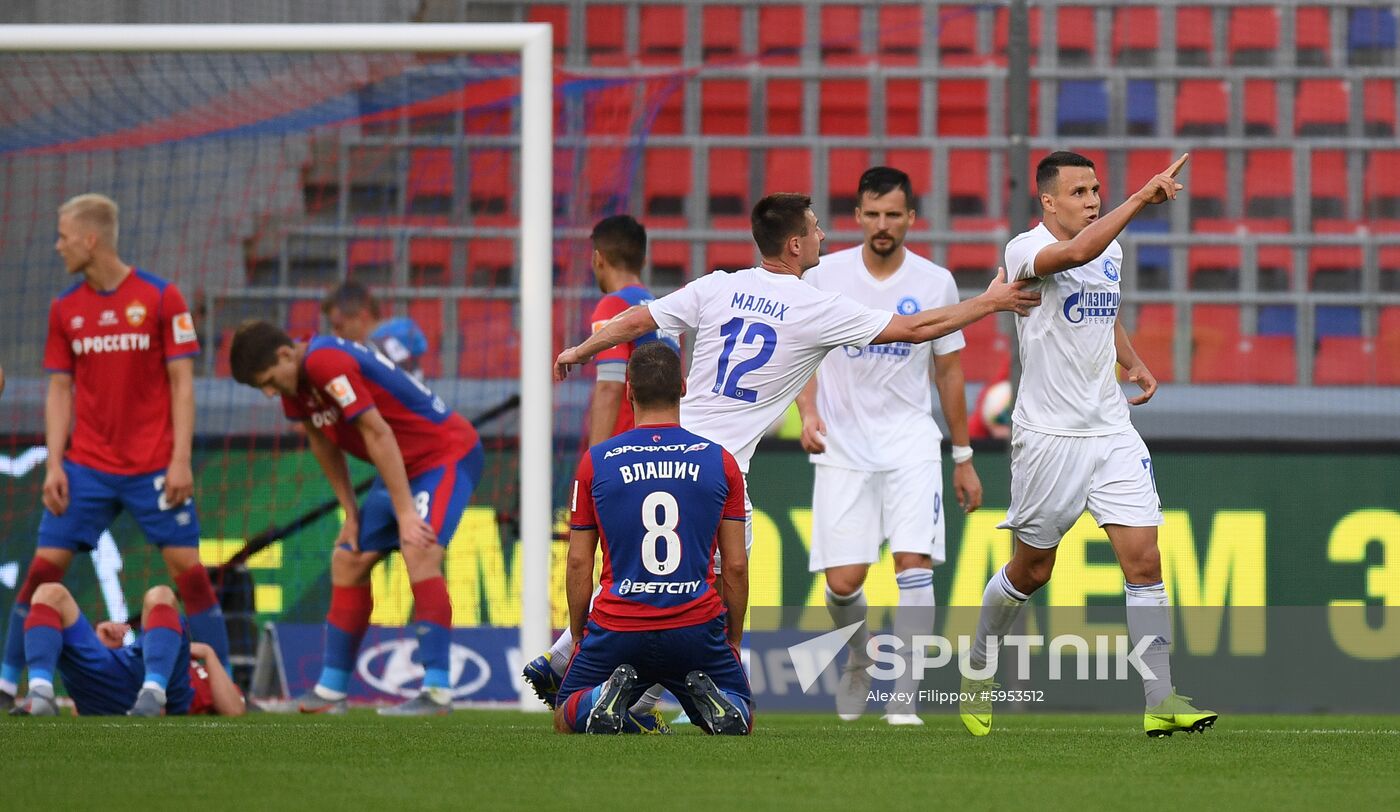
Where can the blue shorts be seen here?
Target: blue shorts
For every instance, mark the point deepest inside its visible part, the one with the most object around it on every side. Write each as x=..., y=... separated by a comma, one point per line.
x=105, y=681
x=663, y=656
x=94, y=499
x=441, y=494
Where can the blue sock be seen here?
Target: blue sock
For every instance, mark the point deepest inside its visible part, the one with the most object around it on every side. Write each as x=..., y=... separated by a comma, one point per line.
x=43, y=643
x=13, y=664
x=208, y=627
x=160, y=644
x=435, y=653
x=341, y=648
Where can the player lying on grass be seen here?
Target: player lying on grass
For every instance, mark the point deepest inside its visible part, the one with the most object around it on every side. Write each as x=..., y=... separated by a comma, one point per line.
x=353, y=399
x=162, y=673
x=660, y=500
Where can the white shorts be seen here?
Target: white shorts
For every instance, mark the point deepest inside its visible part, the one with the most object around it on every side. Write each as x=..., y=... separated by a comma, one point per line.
x=1055, y=478
x=748, y=524
x=853, y=512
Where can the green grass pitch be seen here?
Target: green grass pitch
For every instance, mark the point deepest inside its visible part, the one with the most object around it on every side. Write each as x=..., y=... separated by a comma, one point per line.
x=503, y=759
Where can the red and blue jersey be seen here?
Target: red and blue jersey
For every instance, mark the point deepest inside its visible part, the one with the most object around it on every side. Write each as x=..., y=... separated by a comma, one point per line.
x=656, y=496
x=116, y=344
x=617, y=357
x=342, y=380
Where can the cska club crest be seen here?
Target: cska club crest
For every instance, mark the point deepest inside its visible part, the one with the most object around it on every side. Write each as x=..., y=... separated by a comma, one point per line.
x=656, y=438
x=135, y=314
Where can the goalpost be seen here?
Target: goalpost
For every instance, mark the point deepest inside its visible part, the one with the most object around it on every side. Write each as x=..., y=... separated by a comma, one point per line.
x=533, y=42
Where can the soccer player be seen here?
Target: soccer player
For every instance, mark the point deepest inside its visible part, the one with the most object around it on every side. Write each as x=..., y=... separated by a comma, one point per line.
x=1073, y=445
x=162, y=673
x=619, y=251
x=353, y=314
x=352, y=399
x=867, y=420
x=661, y=500
x=119, y=354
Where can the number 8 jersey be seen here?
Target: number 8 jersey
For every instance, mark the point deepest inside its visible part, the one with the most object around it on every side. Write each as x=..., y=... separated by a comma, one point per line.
x=759, y=337
x=656, y=496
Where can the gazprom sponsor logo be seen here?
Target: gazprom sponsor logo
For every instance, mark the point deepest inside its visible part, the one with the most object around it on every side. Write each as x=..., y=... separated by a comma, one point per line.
x=117, y=342
x=1093, y=306
x=630, y=587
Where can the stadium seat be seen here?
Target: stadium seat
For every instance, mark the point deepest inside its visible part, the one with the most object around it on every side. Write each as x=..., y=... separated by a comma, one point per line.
x=783, y=100
x=967, y=182
x=841, y=35
x=845, y=107
x=427, y=314
x=1341, y=321
x=1135, y=35
x=1378, y=108
x=1336, y=268
x=1205, y=183
x=729, y=187
x=1152, y=339
x=1344, y=361
x=1245, y=359
x=1140, y=112
x=661, y=34
x=429, y=261
x=670, y=265
x=1260, y=107
x=721, y=33
x=1075, y=35
x=1195, y=36
x=1329, y=184
x=957, y=35
x=557, y=16
x=1382, y=190
x=781, y=32
x=490, y=185
x=903, y=101
x=724, y=107
x=666, y=183
x=1152, y=264
x=1312, y=36
x=973, y=264
x=1253, y=37
x=1278, y=320
x=370, y=261
x=1215, y=323
x=606, y=179
x=304, y=316
x=1142, y=164
x=1213, y=267
x=899, y=38
x=787, y=169
x=1082, y=108
x=489, y=339
x=1371, y=36
x=987, y=350
x=962, y=107
x=605, y=35
x=1202, y=107
x=490, y=263
x=1001, y=32
x=918, y=165
x=1322, y=107
x=1268, y=183
x=843, y=170
x=431, y=181
x=1388, y=347
x=730, y=256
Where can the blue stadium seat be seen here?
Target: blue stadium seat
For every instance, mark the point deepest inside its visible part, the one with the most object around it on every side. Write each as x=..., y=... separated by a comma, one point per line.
x=1142, y=107
x=1371, y=35
x=1333, y=320
x=1278, y=320
x=1154, y=262
x=1082, y=108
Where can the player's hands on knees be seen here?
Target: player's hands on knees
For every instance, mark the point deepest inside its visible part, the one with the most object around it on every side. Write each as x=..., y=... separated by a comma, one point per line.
x=968, y=486
x=1013, y=296
x=56, y=489
x=1164, y=187
x=179, y=484
x=813, y=435
x=414, y=532
x=112, y=634
x=567, y=359
x=349, y=534
x=1143, y=377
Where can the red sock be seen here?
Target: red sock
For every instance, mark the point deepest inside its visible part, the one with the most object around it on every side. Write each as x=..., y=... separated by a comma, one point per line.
x=41, y=571
x=41, y=614
x=195, y=590
x=431, y=602
x=163, y=616
x=350, y=608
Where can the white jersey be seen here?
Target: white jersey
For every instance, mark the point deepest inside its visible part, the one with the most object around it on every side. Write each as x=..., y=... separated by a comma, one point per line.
x=759, y=336
x=876, y=401
x=1067, y=347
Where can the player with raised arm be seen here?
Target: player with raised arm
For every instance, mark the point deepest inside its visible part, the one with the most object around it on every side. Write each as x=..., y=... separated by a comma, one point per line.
x=162, y=673
x=867, y=420
x=353, y=400
x=1073, y=445
x=120, y=360
x=619, y=252
x=353, y=314
x=661, y=501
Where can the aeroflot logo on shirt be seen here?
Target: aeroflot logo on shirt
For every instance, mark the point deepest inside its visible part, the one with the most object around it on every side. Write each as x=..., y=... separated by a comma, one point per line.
x=1093, y=306
x=630, y=587
x=121, y=342
x=652, y=449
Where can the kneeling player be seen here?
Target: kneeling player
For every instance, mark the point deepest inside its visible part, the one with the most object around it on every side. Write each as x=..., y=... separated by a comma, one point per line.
x=353, y=399
x=660, y=499
x=162, y=673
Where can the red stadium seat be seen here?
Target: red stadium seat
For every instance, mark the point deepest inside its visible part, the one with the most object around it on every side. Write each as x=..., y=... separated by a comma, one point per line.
x=304, y=316
x=1245, y=359
x=666, y=182
x=962, y=107
x=844, y=168
x=1076, y=34
x=1001, y=32
x=370, y=258
x=840, y=35
x=784, y=106
x=957, y=34
x=490, y=263
x=1135, y=35
x=903, y=100
x=605, y=35
x=1253, y=36
x=1388, y=347
x=1156, y=324
x=845, y=107
x=1142, y=164
x=1329, y=184
x=670, y=265
x=1205, y=183
x=1383, y=184
x=1336, y=267
x=967, y=182
x=489, y=345
x=724, y=107
x=1260, y=107
x=1344, y=361
x=1322, y=107
x=558, y=16
x=730, y=256
x=1268, y=183
x=431, y=180
x=973, y=263
x=429, y=261
x=729, y=188
x=987, y=352
x=900, y=35
x=721, y=32
x=661, y=34
x=427, y=314
x=1195, y=37
x=1312, y=35
x=787, y=170
x=491, y=188
x=1202, y=107
x=1378, y=107
x=781, y=33
x=918, y=165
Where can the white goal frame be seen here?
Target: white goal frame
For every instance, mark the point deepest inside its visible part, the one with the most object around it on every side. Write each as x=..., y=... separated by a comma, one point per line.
x=534, y=42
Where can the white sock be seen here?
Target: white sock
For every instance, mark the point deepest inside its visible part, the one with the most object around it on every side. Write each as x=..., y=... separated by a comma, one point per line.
x=152, y=684
x=561, y=652
x=913, y=616
x=9, y=688
x=43, y=686
x=1001, y=603
x=328, y=694
x=1149, y=615
x=648, y=700
x=848, y=609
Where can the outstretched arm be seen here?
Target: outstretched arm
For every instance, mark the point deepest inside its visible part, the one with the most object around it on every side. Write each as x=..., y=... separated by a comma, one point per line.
x=628, y=325
x=926, y=325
